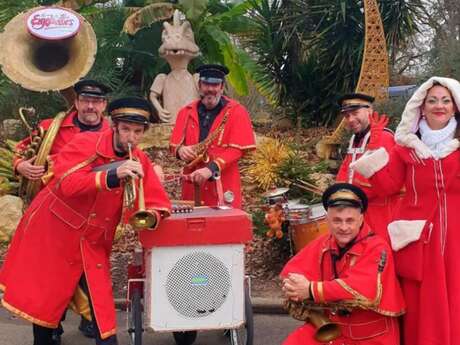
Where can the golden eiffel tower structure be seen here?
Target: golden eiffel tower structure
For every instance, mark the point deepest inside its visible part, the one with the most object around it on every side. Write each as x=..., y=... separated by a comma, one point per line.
x=373, y=77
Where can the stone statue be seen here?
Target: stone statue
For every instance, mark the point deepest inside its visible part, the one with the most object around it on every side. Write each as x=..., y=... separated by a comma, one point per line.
x=179, y=87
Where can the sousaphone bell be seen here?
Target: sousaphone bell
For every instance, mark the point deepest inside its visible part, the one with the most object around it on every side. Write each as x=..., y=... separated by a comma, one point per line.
x=44, y=64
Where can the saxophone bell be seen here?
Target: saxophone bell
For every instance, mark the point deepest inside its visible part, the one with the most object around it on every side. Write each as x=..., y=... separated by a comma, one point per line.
x=326, y=330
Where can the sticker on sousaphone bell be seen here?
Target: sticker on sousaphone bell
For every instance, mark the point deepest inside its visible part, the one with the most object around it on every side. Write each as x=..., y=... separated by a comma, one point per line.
x=53, y=23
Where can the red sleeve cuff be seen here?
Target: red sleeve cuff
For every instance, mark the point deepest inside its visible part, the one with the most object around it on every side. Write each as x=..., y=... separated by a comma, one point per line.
x=16, y=161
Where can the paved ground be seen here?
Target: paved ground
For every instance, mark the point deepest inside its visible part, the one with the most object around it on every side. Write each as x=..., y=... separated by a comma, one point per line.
x=269, y=330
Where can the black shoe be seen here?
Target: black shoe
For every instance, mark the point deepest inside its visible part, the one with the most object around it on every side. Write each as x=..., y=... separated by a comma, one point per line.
x=56, y=336
x=87, y=328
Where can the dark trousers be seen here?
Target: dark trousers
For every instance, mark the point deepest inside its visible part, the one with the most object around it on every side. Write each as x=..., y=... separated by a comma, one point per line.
x=43, y=335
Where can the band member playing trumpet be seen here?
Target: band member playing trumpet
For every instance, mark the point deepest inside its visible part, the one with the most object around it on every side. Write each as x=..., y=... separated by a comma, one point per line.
x=344, y=283
x=211, y=135
x=70, y=224
x=87, y=114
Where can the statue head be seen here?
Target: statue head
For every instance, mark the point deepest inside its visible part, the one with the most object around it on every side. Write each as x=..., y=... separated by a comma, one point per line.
x=178, y=40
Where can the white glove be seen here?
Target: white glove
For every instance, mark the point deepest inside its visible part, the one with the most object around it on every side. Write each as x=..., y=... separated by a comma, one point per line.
x=371, y=162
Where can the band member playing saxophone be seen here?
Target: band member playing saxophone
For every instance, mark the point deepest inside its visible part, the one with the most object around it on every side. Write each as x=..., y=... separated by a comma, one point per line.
x=211, y=135
x=74, y=219
x=344, y=283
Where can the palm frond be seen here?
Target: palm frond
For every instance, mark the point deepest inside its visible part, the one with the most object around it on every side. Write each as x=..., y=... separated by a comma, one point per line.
x=148, y=15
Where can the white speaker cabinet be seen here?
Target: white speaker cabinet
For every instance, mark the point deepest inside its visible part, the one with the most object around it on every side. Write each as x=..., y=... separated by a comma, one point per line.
x=194, y=287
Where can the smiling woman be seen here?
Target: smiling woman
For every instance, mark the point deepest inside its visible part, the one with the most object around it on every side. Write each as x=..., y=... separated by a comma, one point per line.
x=439, y=107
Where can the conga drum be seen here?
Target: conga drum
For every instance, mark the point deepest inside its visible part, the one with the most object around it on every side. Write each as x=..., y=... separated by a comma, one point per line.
x=306, y=222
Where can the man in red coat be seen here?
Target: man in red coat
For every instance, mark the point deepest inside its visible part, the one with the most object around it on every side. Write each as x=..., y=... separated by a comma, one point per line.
x=224, y=125
x=369, y=133
x=350, y=271
x=85, y=115
x=68, y=228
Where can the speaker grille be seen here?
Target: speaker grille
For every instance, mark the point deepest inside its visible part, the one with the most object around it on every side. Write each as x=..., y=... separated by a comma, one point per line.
x=198, y=284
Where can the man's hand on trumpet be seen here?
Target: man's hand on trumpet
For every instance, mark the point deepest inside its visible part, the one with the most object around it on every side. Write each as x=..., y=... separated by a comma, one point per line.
x=130, y=168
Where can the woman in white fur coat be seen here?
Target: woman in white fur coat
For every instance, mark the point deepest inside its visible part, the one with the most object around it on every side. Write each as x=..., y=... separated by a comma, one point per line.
x=425, y=232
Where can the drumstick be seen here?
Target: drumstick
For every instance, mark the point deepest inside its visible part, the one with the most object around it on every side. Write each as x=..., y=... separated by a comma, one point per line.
x=308, y=189
x=310, y=185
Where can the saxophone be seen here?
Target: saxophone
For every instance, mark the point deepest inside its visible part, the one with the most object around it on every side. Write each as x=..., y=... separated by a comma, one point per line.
x=201, y=149
x=313, y=312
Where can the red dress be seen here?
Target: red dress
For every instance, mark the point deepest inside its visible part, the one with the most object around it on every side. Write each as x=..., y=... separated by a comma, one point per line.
x=428, y=266
x=67, y=231
x=380, y=209
x=236, y=138
x=357, y=278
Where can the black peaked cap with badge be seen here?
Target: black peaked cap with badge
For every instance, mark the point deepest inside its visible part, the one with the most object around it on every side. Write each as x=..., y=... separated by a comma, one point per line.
x=353, y=101
x=132, y=109
x=345, y=194
x=212, y=73
x=91, y=88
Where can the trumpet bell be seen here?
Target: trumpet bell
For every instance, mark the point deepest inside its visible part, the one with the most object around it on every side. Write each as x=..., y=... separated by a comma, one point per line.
x=45, y=65
x=143, y=219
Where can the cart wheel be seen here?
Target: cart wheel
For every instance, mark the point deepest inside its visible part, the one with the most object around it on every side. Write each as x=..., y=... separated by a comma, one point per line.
x=135, y=321
x=185, y=338
x=245, y=334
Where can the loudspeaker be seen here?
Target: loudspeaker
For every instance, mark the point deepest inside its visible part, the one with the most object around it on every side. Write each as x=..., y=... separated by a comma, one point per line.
x=194, y=287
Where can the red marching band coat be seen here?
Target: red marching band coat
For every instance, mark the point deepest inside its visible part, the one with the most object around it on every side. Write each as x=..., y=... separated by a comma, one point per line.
x=67, y=231
x=66, y=132
x=357, y=278
x=380, y=208
x=236, y=138
x=427, y=242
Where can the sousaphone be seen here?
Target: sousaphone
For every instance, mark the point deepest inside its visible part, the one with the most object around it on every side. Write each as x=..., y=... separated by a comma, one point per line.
x=47, y=49
x=40, y=64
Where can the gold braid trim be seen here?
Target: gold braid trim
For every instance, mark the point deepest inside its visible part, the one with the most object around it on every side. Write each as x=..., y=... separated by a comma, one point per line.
x=320, y=291
x=105, y=335
x=75, y=168
x=27, y=317
x=360, y=299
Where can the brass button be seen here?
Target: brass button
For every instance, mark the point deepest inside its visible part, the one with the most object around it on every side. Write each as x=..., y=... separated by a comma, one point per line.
x=98, y=265
x=93, y=215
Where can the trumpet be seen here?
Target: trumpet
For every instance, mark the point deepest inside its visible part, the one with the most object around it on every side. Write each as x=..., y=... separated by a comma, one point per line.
x=130, y=194
x=142, y=218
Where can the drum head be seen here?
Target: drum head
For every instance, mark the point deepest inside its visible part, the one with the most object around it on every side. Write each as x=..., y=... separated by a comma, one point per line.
x=317, y=211
x=275, y=192
x=298, y=213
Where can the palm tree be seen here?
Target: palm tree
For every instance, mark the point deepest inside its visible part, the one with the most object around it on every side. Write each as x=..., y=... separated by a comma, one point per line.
x=310, y=51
